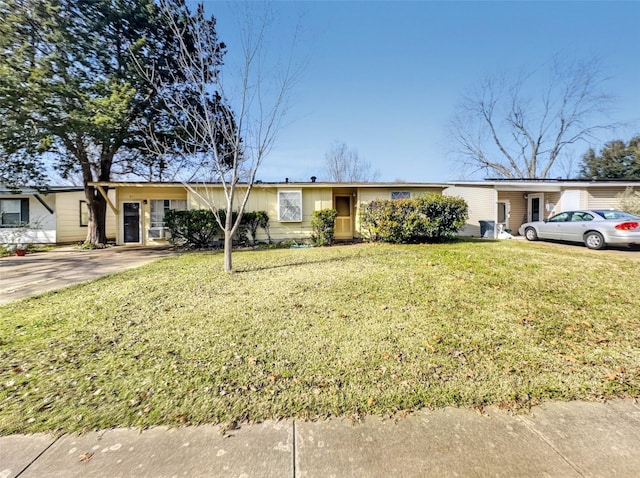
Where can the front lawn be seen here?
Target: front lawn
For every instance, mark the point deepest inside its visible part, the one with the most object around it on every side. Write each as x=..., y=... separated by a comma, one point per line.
x=313, y=333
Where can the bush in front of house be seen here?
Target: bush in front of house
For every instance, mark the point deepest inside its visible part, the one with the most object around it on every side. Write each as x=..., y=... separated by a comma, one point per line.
x=429, y=218
x=252, y=220
x=199, y=228
x=629, y=201
x=192, y=228
x=323, y=223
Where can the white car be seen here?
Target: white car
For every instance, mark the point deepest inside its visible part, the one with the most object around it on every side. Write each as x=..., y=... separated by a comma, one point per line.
x=595, y=228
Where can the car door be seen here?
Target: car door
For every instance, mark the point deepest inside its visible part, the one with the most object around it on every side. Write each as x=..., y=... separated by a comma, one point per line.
x=576, y=226
x=552, y=228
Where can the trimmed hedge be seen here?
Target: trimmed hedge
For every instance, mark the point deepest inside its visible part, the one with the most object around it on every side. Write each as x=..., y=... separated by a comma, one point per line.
x=429, y=218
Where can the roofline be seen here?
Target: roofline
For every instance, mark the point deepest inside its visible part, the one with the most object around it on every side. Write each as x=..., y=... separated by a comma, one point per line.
x=264, y=184
x=547, y=184
x=44, y=191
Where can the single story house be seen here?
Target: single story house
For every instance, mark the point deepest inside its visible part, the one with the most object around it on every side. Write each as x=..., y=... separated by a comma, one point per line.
x=135, y=212
x=57, y=216
x=139, y=207
x=509, y=203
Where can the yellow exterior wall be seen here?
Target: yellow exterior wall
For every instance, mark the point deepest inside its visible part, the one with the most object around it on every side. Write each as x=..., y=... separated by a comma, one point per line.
x=146, y=193
x=265, y=198
x=366, y=195
x=68, y=217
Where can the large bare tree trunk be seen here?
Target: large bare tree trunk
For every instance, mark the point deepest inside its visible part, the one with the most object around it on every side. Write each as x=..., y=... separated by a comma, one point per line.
x=97, y=205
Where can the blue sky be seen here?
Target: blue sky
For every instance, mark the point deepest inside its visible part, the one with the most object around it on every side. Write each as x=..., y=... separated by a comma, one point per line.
x=385, y=77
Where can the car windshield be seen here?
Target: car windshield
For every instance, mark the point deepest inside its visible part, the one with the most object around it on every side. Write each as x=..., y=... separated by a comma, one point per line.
x=615, y=214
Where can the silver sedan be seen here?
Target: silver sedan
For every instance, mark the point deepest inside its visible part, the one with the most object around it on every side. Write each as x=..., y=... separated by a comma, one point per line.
x=595, y=228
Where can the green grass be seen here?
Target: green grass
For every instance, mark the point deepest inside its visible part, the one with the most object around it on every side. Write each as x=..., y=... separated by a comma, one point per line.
x=313, y=333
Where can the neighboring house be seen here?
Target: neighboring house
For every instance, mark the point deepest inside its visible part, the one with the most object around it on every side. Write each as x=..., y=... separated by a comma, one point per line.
x=510, y=203
x=139, y=207
x=57, y=216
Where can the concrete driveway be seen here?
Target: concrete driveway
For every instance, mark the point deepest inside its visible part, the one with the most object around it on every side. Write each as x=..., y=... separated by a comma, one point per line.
x=44, y=271
x=620, y=251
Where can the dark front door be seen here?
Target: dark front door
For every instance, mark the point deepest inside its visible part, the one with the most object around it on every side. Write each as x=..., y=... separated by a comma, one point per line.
x=131, y=218
x=535, y=209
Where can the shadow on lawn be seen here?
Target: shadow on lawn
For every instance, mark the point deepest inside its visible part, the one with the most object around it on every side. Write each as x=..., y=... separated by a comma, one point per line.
x=325, y=260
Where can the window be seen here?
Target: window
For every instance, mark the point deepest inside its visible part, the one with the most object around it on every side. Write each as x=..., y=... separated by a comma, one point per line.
x=400, y=195
x=290, y=206
x=160, y=206
x=615, y=214
x=14, y=212
x=581, y=216
x=343, y=206
x=84, y=214
x=562, y=217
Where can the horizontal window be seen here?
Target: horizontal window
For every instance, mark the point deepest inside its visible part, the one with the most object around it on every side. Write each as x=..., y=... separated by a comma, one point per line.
x=400, y=195
x=160, y=206
x=14, y=212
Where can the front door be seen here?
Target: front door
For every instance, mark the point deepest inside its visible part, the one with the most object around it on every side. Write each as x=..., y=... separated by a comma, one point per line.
x=535, y=207
x=131, y=222
x=344, y=220
x=503, y=214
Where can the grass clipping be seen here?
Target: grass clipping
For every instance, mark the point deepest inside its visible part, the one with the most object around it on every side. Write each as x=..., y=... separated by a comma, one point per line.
x=314, y=333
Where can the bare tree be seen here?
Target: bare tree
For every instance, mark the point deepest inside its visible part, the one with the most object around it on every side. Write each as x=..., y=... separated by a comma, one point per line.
x=227, y=132
x=344, y=165
x=517, y=129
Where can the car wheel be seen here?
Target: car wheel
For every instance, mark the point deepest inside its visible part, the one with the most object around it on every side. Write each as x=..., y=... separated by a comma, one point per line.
x=531, y=234
x=594, y=240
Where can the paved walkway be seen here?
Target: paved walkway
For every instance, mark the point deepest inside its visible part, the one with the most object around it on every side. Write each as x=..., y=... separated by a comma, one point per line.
x=44, y=271
x=576, y=439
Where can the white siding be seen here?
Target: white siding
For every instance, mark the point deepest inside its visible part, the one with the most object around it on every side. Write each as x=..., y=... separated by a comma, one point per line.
x=68, y=217
x=570, y=199
x=43, y=222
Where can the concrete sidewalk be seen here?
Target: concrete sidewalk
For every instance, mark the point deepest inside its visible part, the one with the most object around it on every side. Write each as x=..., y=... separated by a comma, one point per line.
x=576, y=439
x=40, y=272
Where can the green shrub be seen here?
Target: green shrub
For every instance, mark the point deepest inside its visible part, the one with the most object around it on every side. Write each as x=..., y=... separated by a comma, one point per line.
x=323, y=223
x=630, y=201
x=192, y=228
x=428, y=218
x=199, y=228
x=252, y=220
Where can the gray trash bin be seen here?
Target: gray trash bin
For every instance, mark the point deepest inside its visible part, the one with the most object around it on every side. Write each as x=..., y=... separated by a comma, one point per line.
x=487, y=228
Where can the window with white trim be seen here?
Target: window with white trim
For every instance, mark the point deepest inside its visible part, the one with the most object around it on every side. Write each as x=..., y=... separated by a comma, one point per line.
x=290, y=206
x=158, y=209
x=14, y=212
x=400, y=195
x=160, y=206
x=84, y=214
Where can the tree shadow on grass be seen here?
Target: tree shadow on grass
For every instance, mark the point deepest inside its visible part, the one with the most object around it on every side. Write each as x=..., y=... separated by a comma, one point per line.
x=298, y=263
